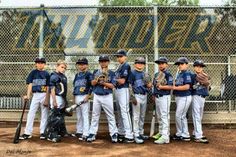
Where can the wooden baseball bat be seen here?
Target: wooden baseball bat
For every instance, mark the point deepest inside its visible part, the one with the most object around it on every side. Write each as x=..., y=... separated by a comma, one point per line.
x=18, y=129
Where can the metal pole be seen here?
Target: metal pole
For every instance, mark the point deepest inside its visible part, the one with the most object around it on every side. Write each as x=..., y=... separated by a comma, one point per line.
x=155, y=25
x=41, y=24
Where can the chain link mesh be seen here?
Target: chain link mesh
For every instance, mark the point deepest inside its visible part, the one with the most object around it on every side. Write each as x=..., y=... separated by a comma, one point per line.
x=207, y=33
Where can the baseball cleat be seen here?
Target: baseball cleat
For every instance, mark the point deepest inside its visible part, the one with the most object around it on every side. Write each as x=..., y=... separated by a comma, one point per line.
x=138, y=140
x=202, y=140
x=177, y=138
x=144, y=137
x=186, y=139
x=91, y=138
x=114, y=138
x=24, y=137
x=128, y=140
x=161, y=140
x=157, y=136
x=121, y=138
x=42, y=137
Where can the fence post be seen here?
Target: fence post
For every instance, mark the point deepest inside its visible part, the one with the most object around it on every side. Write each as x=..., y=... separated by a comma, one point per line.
x=155, y=25
x=41, y=29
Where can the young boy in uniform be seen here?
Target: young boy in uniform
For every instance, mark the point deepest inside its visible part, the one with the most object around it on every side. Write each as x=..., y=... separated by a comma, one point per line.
x=103, y=83
x=58, y=90
x=140, y=89
x=183, y=98
x=162, y=89
x=122, y=98
x=38, y=82
x=82, y=90
x=200, y=91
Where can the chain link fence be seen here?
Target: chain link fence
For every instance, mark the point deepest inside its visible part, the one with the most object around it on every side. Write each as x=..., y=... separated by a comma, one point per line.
x=207, y=33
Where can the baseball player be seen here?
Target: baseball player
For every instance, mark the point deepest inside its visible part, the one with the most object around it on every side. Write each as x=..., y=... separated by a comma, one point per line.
x=38, y=82
x=161, y=92
x=183, y=98
x=199, y=92
x=122, y=98
x=82, y=90
x=58, y=90
x=140, y=89
x=103, y=83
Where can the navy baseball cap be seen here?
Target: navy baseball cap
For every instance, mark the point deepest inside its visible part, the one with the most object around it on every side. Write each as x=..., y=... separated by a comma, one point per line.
x=82, y=61
x=40, y=60
x=181, y=60
x=199, y=62
x=121, y=52
x=140, y=60
x=103, y=58
x=162, y=60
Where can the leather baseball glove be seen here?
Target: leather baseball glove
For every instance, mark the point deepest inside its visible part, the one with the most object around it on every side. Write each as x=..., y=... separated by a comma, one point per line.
x=160, y=78
x=203, y=79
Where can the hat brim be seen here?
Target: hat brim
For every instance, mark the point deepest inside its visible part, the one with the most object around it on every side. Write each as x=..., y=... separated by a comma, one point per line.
x=81, y=63
x=105, y=60
x=40, y=61
x=202, y=65
x=119, y=55
x=178, y=63
x=139, y=63
x=160, y=62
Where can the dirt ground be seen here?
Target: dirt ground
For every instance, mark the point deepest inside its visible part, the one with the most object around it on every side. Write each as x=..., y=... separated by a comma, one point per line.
x=222, y=144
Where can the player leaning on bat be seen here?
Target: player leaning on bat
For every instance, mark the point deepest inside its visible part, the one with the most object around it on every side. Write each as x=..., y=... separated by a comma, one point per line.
x=103, y=83
x=200, y=91
x=82, y=90
x=37, y=83
x=162, y=85
x=140, y=87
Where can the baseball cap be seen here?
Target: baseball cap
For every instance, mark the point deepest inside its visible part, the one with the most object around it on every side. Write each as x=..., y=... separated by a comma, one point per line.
x=40, y=60
x=162, y=60
x=140, y=60
x=181, y=60
x=121, y=52
x=82, y=61
x=103, y=58
x=199, y=62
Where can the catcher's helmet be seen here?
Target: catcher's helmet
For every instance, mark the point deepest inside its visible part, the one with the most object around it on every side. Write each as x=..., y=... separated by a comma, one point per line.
x=121, y=52
x=162, y=60
x=181, y=60
x=82, y=61
x=40, y=60
x=199, y=63
x=140, y=60
x=103, y=58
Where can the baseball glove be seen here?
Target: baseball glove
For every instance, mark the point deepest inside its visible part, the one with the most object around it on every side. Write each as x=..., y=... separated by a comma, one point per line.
x=133, y=99
x=147, y=78
x=160, y=78
x=102, y=77
x=203, y=79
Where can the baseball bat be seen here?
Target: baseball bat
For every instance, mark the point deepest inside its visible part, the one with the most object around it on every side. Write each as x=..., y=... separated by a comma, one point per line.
x=73, y=107
x=18, y=129
x=152, y=129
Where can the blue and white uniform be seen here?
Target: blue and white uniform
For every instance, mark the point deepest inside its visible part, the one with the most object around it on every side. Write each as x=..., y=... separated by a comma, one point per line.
x=103, y=98
x=163, y=101
x=122, y=101
x=40, y=83
x=82, y=87
x=183, y=100
x=140, y=90
x=55, y=79
x=198, y=100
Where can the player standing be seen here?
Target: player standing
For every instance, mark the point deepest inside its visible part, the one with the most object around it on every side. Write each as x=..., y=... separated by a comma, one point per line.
x=82, y=90
x=140, y=89
x=200, y=91
x=122, y=98
x=161, y=92
x=103, y=98
x=183, y=98
x=38, y=82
